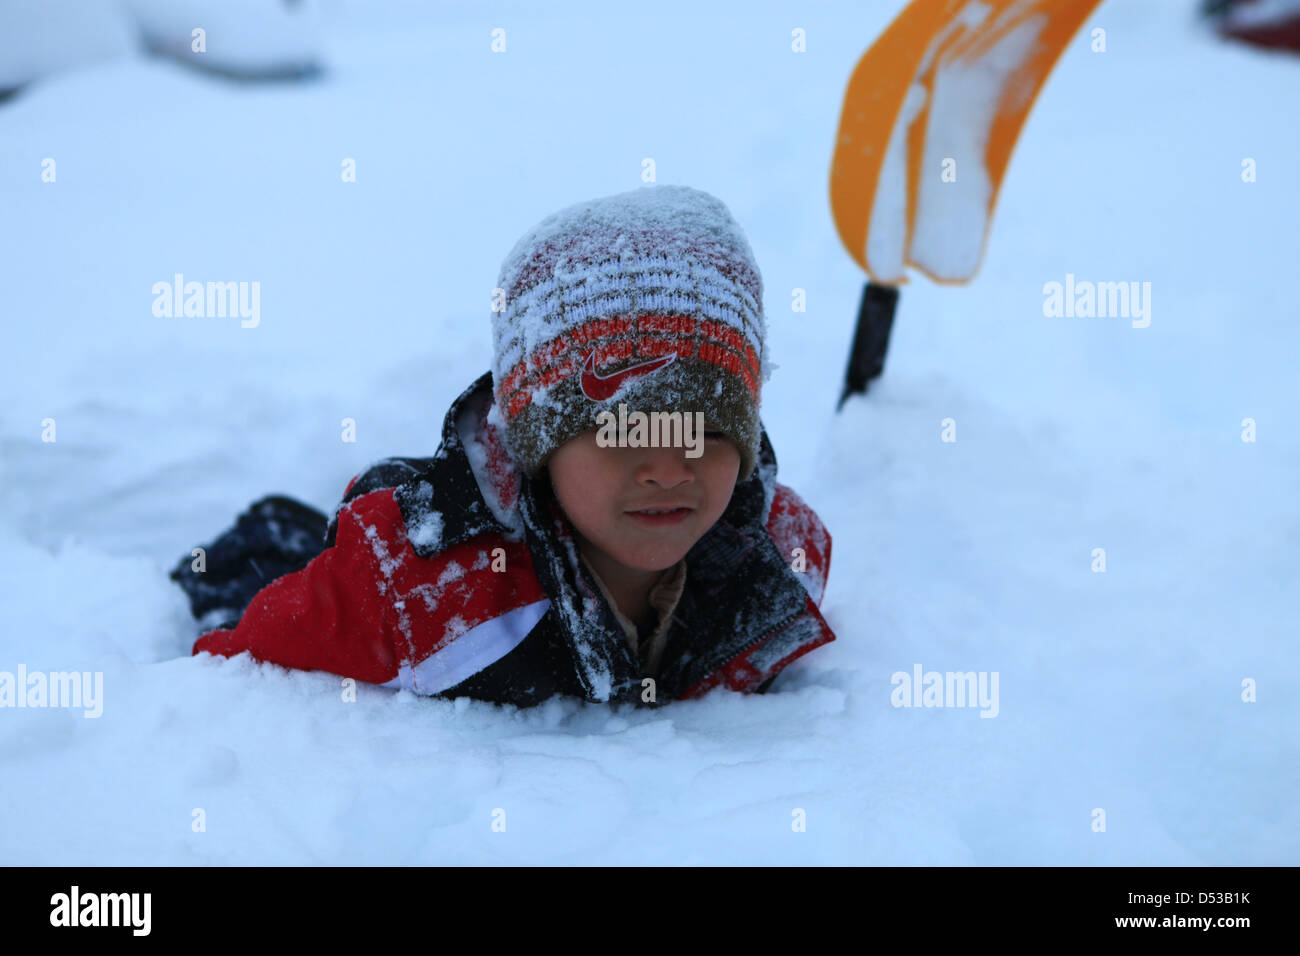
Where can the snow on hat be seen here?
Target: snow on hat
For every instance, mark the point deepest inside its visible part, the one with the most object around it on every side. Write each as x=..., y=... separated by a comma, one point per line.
x=649, y=297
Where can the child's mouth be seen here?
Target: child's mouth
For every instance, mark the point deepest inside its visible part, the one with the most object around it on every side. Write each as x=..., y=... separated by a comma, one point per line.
x=655, y=518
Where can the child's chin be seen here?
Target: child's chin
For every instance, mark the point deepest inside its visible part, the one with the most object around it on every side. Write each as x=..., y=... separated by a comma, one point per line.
x=654, y=559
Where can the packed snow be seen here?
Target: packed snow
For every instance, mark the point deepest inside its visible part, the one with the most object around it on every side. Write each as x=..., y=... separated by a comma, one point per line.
x=1118, y=691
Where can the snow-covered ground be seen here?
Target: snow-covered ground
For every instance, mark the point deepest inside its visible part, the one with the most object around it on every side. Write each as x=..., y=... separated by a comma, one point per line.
x=1120, y=691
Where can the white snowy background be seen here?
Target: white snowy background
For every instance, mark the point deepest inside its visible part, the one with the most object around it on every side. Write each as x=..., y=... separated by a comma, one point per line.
x=1118, y=690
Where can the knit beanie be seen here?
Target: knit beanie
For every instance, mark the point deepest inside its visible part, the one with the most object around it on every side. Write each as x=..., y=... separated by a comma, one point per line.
x=650, y=298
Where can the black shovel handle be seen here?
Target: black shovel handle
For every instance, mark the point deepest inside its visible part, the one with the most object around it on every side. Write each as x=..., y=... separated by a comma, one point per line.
x=871, y=339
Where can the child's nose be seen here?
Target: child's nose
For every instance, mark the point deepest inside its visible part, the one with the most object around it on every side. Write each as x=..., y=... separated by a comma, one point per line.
x=667, y=467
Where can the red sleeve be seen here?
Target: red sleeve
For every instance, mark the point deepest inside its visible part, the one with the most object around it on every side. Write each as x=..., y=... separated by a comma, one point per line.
x=792, y=524
x=335, y=614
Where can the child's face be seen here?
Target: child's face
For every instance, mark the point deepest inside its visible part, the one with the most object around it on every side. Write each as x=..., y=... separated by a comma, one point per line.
x=600, y=488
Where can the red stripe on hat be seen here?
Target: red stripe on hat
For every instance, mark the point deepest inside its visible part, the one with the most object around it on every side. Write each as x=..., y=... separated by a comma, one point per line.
x=703, y=339
x=654, y=347
x=674, y=324
x=727, y=334
x=720, y=355
x=599, y=329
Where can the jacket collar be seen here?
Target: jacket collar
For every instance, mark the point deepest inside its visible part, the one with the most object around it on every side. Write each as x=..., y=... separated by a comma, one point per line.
x=471, y=478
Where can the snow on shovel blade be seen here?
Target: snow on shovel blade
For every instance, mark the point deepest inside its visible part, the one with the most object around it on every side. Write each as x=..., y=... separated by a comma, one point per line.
x=948, y=80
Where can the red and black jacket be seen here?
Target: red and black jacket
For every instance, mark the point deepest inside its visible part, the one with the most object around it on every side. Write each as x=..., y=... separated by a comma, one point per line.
x=458, y=576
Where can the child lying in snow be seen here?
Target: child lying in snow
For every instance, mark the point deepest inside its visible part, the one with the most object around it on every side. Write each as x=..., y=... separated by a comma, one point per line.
x=519, y=562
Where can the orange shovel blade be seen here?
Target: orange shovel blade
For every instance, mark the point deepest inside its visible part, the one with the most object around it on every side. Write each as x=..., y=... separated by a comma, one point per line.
x=930, y=118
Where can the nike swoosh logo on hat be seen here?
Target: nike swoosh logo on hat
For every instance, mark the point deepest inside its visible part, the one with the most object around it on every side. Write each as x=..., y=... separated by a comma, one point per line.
x=600, y=387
